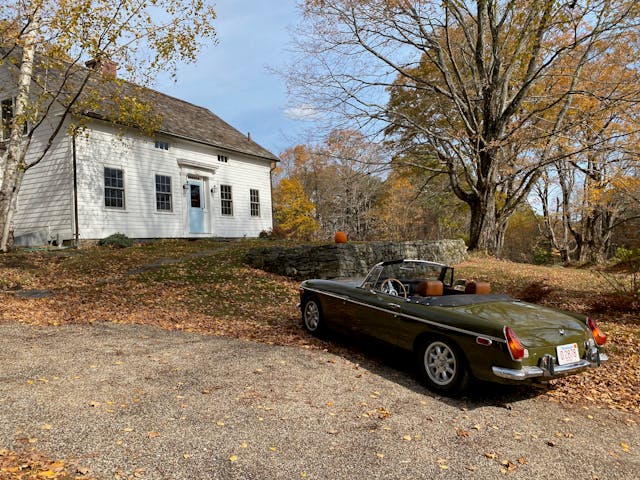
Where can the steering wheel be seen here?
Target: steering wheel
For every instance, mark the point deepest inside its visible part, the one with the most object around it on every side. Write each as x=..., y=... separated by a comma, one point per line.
x=389, y=288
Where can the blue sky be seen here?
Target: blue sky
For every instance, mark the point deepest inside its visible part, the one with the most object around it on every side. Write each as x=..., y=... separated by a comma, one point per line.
x=232, y=79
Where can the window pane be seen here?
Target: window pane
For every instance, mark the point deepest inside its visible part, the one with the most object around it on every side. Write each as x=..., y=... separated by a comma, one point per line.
x=226, y=200
x=163, y=184
x=113, y=187
x=163, y=193
x=254, y=198
x=7, y=116
x=195, y=196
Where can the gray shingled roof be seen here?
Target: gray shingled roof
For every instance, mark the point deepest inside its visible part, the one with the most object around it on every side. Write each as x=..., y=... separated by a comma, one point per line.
x=179, y=118
x=188, y=121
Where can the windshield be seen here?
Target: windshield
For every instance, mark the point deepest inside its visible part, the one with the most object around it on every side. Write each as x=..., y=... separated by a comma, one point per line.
x=407, y=272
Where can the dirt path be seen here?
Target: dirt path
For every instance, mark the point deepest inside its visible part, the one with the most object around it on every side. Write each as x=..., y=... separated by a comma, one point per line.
x=126, y=400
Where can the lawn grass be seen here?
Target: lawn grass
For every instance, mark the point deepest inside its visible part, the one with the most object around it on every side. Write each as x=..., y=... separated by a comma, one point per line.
x=203, y=286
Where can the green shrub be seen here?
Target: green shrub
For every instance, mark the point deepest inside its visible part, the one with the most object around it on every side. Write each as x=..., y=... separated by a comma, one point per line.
x=627, y=254
x=542, y=256
x=117, y=240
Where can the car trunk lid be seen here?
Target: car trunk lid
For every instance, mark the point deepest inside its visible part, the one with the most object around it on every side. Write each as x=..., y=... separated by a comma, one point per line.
x=535, y=325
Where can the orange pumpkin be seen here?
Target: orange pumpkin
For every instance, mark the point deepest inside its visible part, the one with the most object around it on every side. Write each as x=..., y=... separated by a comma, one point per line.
x=341, y=237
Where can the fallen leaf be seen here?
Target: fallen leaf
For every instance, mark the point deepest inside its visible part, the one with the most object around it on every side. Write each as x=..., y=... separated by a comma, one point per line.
x=462, y=433
x=153, y=434
x=233, y=458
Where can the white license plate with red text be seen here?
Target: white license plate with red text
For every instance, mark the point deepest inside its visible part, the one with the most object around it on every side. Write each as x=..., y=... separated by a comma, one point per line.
x=568, y=354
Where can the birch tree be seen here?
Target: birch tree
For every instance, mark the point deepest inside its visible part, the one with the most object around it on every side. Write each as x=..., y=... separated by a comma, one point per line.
x=43, y=48
x=484, y=86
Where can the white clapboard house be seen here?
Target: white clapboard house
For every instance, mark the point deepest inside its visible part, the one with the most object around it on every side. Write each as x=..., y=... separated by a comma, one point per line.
x=197, y=176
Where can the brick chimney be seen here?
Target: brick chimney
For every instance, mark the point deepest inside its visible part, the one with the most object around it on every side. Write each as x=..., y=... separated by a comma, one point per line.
x=105, y=66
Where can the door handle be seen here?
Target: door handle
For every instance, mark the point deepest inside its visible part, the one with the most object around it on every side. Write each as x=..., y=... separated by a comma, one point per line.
x=394, y=306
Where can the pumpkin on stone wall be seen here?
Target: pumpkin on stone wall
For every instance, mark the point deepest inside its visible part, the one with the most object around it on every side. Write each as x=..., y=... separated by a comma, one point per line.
x=340, y=237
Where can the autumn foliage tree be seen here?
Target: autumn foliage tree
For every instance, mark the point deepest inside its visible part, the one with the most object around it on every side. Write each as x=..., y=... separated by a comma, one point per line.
x=339, y=176
x=43, y=47
x=596, y=174
x=294, y=212
x=486, y=87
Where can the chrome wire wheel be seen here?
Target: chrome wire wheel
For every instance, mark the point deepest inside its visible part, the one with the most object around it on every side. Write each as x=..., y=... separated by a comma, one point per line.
x=440, y=363
x=312, y=315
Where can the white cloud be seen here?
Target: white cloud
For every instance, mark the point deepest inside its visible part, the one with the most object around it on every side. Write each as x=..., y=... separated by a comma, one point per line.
x=305, y=111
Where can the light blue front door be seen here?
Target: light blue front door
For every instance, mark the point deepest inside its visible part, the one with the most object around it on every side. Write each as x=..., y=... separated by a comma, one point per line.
x=196, y=206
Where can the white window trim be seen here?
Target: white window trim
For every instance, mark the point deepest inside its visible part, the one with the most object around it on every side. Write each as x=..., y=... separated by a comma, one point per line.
x=252, y=203
x=124, y=189
x=171, y=194
x=227, y=215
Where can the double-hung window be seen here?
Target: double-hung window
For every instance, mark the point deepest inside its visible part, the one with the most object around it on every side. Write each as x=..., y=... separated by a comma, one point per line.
x=113, y=187
x=226, y=200
x=8, y=108
x=163, y=193
x=254, y=201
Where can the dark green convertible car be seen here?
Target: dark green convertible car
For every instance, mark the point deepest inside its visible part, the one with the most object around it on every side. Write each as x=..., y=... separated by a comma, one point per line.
x=457, y=329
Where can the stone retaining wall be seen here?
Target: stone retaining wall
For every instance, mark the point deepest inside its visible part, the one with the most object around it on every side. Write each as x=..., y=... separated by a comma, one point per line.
x=348, y=260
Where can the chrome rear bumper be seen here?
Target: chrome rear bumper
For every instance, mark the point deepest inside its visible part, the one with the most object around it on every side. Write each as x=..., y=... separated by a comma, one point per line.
x=557, y=370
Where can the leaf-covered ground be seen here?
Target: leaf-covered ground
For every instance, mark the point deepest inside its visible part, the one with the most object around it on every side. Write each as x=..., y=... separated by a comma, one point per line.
x=204, y=287
x=31, y=465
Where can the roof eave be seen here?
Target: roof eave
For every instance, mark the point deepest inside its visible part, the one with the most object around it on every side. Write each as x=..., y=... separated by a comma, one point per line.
x=221, y=147
x=273, y=158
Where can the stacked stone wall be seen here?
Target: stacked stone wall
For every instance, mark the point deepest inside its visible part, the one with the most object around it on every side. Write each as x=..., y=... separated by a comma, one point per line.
x=348, y=260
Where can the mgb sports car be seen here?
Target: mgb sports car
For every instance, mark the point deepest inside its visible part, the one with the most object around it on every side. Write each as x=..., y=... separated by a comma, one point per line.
x=457, y=329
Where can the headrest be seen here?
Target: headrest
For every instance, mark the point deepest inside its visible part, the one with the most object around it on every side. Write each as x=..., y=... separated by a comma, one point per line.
x=478, y=288
x=430, y=288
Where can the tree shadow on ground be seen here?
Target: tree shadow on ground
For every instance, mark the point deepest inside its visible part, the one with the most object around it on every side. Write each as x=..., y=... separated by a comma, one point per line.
x=398, y=366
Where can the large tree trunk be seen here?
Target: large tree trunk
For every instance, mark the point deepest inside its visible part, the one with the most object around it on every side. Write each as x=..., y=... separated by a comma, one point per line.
x=13, y=163
x=596, y=230
x=483, y=225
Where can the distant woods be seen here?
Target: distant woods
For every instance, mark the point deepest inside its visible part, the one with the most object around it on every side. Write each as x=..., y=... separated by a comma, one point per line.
x=512, y=124
x=347, y=184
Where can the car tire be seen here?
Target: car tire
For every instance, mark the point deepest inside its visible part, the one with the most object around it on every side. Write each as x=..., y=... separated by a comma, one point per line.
x=312, y=318
x=442, y=365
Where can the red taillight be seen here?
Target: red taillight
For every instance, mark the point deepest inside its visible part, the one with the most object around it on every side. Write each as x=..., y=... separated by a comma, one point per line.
x=598, y=336
x=516, y=349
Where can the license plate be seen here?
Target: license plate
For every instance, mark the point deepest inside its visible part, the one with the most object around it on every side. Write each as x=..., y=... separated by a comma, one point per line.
x=568, y=353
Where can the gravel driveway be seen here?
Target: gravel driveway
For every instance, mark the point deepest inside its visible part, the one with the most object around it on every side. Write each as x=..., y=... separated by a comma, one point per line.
x=128, y=400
